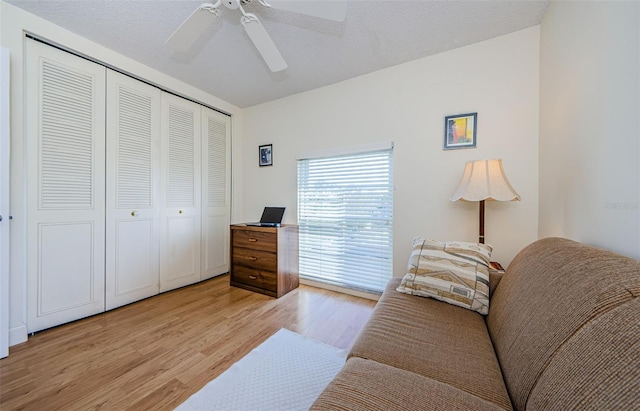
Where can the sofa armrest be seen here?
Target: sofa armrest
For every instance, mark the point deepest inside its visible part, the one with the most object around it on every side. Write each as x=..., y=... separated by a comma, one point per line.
x=368, y=385
x=494, y=280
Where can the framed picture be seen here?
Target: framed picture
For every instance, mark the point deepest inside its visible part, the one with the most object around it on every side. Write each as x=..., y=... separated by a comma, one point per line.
x=460, y=131
x=265, y=155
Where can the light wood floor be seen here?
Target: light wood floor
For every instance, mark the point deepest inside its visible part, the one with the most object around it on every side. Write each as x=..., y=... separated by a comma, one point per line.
x=155, y=353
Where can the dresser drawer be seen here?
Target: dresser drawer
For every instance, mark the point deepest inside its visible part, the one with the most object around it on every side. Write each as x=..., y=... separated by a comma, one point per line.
x=248, y=257
x=256, y=240
x=265, y=280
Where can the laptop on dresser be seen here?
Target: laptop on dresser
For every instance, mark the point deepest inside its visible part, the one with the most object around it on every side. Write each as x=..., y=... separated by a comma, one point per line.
x=271, y=217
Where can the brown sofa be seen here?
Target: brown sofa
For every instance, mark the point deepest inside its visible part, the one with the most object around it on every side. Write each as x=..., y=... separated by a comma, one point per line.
x=563, y=332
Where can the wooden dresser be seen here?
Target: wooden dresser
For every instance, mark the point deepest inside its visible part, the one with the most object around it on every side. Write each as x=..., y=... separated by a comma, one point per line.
x=265, y=259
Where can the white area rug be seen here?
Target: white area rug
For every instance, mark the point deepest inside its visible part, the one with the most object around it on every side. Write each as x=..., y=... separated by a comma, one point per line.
x=286, y=372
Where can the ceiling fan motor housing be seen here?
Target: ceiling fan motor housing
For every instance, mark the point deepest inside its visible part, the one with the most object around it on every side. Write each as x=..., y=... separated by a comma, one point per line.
x=231, y=4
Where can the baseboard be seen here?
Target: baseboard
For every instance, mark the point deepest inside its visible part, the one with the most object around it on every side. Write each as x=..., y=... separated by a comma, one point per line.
x=17, y=335
x=356, y=293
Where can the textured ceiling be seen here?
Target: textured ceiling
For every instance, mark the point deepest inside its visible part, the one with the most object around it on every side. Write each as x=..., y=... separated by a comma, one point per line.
x=376, y=34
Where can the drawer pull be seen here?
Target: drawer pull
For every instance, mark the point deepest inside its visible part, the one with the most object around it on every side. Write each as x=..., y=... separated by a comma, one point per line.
x=253, y=277
x=253, y=240
x=253, y=258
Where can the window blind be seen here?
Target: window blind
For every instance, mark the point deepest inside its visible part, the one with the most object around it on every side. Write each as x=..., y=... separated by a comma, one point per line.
x=345, y=219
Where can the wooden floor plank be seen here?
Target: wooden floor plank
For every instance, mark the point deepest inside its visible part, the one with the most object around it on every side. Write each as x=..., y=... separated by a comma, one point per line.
x=154, y=354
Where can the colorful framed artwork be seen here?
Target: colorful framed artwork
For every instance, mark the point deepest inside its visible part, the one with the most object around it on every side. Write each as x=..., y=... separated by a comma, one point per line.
x=460, y=131
x=265, y=155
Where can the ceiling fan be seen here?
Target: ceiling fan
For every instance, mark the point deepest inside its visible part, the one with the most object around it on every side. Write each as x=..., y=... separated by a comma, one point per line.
x=197, y=23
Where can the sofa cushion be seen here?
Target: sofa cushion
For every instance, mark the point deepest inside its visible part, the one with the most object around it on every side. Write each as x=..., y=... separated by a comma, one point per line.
x=433, y=339
x=552, y=291
x=367, y=385
x=454, y=272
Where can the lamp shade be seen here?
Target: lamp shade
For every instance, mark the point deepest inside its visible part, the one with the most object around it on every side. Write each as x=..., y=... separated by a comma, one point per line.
x=484, y=180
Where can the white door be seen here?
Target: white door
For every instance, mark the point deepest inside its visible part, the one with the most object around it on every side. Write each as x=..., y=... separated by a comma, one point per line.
x=65, y=134
x=216, y=184
x=132, y=190
x=4, y=202
x=180, y=212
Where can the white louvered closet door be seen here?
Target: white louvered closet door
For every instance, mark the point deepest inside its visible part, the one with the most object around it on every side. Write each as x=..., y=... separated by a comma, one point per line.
x=65, y=129
x=216, y=184
x=180, y=213
x=132, y=182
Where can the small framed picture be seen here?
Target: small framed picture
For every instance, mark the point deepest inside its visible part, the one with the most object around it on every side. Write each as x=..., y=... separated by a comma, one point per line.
x=460, y=131
x=265, y=155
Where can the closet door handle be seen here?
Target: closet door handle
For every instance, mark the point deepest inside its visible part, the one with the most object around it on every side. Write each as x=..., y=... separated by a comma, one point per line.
x=134, y=213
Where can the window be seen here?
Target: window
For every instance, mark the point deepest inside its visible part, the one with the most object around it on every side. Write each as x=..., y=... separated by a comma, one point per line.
x=345, y=217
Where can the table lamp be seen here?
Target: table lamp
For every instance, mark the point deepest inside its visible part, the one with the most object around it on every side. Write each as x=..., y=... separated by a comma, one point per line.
x=484, y=180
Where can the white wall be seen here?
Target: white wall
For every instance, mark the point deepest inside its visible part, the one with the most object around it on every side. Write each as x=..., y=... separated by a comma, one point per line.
x=407, y=104
x=4, y=202
x=14, y=23
x=589, y=124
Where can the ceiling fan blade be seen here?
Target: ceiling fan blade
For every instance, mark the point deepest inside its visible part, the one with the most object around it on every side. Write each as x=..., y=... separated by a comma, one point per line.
x=261, y=39
x=332, y=10
x=191, y=29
